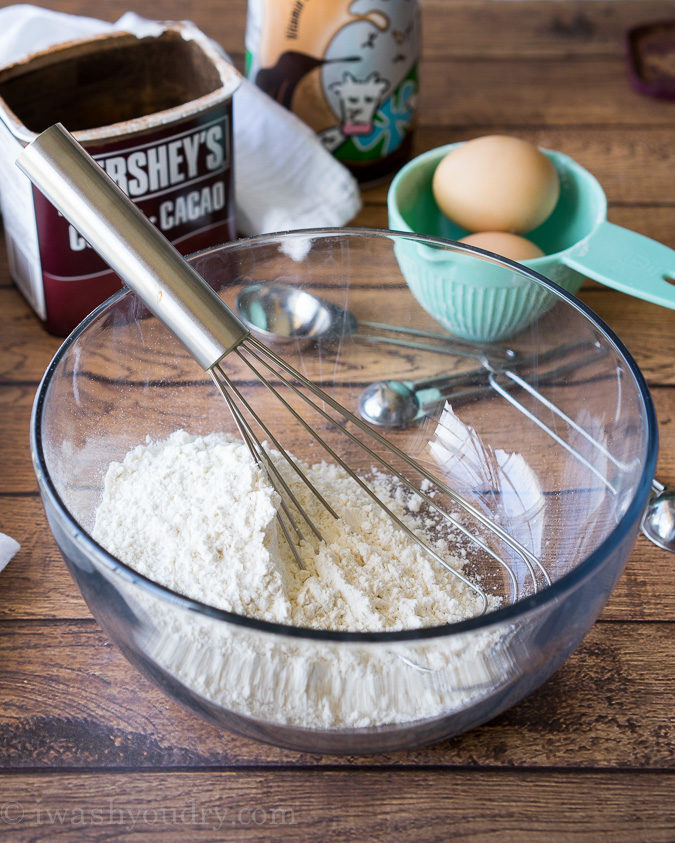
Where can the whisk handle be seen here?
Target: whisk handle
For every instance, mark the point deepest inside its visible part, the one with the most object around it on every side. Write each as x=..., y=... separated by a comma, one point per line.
x=137, y=251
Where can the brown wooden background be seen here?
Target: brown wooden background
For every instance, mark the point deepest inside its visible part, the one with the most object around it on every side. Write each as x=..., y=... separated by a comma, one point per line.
x=89, y=749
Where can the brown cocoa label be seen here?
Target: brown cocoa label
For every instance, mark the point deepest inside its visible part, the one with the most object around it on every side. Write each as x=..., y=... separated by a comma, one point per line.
x=181, y=177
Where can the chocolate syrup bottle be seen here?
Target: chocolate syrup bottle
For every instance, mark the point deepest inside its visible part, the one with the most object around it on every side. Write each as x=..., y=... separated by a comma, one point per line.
x=348, y=68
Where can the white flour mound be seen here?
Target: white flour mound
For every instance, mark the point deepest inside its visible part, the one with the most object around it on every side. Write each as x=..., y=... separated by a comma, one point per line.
x=196, y=514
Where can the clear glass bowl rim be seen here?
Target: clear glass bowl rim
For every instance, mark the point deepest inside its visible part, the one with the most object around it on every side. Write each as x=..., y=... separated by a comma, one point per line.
x=506, y=614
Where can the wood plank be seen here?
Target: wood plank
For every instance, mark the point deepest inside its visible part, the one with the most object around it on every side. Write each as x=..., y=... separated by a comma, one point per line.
x=223, y=20
x=639, y=325
x=447, y=95
x=37, y=584
x=549, y=31
x=16, y=470
x=579, y=92
x=121, y=426
x=68, y=699
x=15, y=460
x=543, y=29
x=655, y=221
x=633, y=164
x=333, y=805
x=643, y=327
x=651, y=220
x=638, y=595
x=28, y=348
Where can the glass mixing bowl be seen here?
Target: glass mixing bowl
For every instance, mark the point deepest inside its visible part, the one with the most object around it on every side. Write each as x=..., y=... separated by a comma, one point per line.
x=554, y=440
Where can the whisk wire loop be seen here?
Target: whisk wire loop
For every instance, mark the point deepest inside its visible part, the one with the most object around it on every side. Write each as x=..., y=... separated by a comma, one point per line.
x=392, y=471
x=265, y=354
x=385, y=463
x=341, y=462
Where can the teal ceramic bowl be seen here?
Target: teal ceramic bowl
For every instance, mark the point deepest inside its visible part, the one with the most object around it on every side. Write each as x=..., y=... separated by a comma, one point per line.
x=487, y=302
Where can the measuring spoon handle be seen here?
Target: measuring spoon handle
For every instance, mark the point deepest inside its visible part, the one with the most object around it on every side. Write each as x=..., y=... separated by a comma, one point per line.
x=472, y=377
x=432, y=396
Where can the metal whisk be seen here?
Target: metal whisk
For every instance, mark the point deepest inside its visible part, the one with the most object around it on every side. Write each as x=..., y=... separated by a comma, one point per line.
x=215, y=336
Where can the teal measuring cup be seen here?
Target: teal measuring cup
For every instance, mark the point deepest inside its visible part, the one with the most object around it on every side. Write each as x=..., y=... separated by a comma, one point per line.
x=483, y=301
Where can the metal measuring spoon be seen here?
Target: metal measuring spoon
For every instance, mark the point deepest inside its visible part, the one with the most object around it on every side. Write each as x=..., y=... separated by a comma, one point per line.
x=658, y=523
x=281, y=313
x=397, y=404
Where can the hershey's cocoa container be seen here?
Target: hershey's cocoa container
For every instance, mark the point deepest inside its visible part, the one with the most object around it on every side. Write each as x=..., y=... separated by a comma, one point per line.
x=348, y=68
x=156, y=113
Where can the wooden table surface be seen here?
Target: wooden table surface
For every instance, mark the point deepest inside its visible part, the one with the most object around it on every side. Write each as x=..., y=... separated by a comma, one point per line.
x=89, y=748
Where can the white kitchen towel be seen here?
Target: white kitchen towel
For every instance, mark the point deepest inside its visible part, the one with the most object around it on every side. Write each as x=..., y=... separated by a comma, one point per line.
x=8, y=547
x=285, y=179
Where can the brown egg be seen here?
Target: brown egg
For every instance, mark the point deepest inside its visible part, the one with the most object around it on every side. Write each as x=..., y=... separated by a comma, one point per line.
x=502, y=243
x=496, y=183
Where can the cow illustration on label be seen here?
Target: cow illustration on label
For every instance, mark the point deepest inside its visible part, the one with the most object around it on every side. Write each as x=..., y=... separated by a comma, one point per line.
x=348, y=68
x=359, y=100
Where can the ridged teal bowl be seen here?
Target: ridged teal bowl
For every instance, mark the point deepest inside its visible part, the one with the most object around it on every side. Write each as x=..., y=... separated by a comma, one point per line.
x=485, y=302
x=474, y=299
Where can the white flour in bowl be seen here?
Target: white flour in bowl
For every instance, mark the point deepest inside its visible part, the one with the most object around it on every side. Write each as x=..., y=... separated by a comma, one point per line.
x=197, y=515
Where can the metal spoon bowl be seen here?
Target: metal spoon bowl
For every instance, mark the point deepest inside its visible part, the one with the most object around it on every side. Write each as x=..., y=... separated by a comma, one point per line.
x=658, y=523
x=391, y=404
x=397, y=404
x=284, y=314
